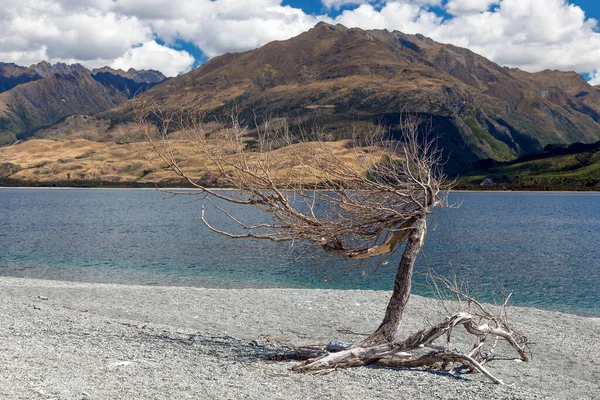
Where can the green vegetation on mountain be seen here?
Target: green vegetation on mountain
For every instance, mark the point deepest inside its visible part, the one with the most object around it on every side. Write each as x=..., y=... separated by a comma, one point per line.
x=573, y=167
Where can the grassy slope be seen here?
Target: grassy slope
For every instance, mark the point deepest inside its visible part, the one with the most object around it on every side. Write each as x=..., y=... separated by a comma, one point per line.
x=49, y=161
x=81, y=162
x=74, y=161
x=578, y=171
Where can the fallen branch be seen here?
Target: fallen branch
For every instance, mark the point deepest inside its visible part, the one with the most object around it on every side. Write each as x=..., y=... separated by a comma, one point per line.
x=401, y=353
x=408, y=361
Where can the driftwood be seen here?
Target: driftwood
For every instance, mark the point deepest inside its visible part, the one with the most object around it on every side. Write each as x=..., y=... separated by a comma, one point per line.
x=401, y=354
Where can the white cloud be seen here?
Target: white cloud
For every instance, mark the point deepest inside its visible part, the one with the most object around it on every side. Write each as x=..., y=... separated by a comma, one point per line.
x=93, y=35
x=425, y=2
x=231, y=26
x=151, y=55
x=595, y=77
x=460, y=7
x=404, y=16
x=336, y=4
x=529, y=34
x=74, y=31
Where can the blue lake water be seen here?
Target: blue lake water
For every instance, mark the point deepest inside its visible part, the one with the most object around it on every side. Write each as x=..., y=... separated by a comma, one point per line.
x=544, y=247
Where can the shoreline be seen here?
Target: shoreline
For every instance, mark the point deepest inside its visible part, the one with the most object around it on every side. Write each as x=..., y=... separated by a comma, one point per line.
x=100, y=341
x=581, y=313
x=527, y=191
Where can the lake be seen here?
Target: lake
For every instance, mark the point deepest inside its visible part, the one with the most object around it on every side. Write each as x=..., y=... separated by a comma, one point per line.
x=543, y=247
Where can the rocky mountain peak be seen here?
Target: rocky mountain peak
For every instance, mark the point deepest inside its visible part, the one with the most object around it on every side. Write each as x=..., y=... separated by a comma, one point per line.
x=44, y=68
x=138, y=76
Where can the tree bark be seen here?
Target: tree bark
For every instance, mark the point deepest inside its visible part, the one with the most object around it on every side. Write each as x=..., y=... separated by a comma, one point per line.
x=402, y=284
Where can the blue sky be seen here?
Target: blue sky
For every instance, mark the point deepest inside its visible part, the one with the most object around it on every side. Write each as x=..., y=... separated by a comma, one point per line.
x=174, y=36
x=590, y=7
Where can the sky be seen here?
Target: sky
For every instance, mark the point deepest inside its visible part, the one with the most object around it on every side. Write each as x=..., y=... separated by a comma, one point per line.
x=175, y=36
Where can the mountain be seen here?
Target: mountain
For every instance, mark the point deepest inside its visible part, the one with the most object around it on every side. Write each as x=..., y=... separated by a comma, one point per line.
x=44, y=68
x=130, y=82
x=42, y=94
x=141, y=76
x=340, y=78
x=12, y=75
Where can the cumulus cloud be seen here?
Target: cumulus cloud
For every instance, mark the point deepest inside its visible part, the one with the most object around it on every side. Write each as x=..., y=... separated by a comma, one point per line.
x=407, y=17
x=595, y=77
x=336, y=4
x=111, y=32
x=529, y=34
x=460, y=7
x=151, y=55
x=230, y=25
x=83, y=31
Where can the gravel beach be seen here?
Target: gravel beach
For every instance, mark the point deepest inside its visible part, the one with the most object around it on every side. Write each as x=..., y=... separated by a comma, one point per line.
x=64, y=340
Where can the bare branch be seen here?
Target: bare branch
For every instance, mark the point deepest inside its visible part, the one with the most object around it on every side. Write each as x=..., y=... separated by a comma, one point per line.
x=355, y=199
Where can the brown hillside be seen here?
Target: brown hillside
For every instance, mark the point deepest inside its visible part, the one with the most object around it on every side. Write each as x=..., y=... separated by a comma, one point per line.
x=79, y=160
x=334, y=76
x=33, y=105
x=38, y=96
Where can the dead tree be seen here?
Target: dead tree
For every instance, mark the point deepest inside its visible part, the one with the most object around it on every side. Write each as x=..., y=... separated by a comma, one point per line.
x=360, y=198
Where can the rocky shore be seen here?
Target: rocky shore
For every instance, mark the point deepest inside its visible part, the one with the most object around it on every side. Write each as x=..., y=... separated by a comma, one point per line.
x=64, y=340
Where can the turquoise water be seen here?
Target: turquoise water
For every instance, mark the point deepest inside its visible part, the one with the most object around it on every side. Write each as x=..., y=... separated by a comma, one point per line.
x=544, y=247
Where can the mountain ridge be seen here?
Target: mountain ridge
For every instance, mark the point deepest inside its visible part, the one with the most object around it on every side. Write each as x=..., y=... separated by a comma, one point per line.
x=36, y=97
x=340, y=76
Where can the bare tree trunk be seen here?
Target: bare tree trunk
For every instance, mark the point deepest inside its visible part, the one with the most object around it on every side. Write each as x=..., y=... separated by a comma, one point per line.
x=393, y=315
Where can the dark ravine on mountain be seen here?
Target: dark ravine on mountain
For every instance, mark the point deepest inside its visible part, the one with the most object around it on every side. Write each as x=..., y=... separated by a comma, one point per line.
x=340, y=80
